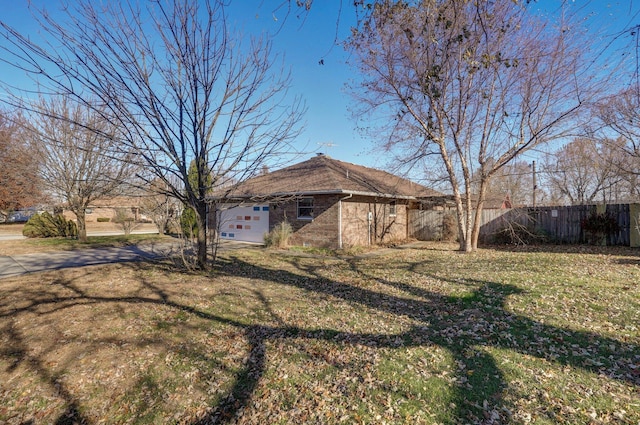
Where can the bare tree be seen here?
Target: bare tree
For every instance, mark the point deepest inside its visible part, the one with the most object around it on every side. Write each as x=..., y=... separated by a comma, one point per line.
x=174, y=76
x=627, y=188
x=158, y=206
x=580, y=171
x=20, y=185
x=80, y=161
x=622, y=184
x=470, y=85
x=513, y=180
x=125, y=220
x=621, y=114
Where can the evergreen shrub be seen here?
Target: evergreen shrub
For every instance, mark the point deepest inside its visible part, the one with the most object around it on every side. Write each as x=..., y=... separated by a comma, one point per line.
x=46, y=225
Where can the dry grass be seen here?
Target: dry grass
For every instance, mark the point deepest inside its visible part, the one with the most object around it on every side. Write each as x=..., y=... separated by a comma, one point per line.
x=92, y=226
x=11, y=229
x=30, y=246
x=417, y=336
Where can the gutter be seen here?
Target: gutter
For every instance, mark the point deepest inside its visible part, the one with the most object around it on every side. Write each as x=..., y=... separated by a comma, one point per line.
x=340, y=218
x=350, y=193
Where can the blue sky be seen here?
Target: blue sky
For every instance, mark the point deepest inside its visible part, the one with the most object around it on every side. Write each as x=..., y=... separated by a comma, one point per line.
x=312, y=37
x=305, y=40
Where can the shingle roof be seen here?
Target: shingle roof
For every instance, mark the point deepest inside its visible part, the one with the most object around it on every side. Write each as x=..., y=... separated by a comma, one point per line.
x=323, y=175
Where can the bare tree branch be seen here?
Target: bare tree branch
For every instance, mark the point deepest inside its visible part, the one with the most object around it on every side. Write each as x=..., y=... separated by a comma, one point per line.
x=177, y=82
x=77, y=152
x=480, y=83
x=20, y=185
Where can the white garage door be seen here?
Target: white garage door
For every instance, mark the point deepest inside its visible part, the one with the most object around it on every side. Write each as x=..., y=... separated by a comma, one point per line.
x=247, y=224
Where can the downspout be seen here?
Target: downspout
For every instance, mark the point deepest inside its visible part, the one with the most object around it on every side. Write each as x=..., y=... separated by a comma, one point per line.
x=369, y=219
x=340, y=218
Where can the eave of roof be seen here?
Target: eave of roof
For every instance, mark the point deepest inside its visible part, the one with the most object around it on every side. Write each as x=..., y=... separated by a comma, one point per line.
x=285, y=195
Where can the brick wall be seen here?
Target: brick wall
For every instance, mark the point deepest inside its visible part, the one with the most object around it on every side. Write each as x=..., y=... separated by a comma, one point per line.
x=322, y=231
x=356, y=228
x=93, y=214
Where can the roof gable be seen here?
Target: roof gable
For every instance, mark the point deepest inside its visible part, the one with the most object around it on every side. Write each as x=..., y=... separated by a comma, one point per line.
x=322, y=174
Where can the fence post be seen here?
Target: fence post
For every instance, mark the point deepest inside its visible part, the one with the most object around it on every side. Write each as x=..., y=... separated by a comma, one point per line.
x=634, y=225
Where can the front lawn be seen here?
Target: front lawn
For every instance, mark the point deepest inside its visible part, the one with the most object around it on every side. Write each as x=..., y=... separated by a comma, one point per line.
x=417, y=336
x=37, y=245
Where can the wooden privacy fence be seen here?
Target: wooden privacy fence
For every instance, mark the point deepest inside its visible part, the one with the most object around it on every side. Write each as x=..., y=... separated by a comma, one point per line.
x=554, y=224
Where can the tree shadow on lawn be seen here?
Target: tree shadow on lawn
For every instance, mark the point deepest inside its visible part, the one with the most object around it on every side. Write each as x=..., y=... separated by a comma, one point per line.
x=48, y=301
x=463, y=326
x=20, y=352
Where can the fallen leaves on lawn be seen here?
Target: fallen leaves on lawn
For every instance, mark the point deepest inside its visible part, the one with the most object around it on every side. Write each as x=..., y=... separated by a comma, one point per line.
x=420, y=336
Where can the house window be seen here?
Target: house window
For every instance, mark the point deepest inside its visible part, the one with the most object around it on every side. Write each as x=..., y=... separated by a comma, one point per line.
x=392, y=208
x=305, y=208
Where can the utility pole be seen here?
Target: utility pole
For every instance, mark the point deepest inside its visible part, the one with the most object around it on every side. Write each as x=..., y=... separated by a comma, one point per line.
x=535, y=185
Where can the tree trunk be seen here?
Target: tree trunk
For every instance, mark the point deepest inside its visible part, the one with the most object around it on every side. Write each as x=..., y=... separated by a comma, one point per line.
x=464, y=227
x=82, y=224
x=465, y=245
x=201, y=218
x=464, y=220
x=462, y=239
x=464, y=224
x=161, y=225
x=475, y=234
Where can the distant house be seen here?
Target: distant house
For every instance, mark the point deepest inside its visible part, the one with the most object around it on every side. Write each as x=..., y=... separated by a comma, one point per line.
x=498, y=203
x=108, y=208
x=329, y=203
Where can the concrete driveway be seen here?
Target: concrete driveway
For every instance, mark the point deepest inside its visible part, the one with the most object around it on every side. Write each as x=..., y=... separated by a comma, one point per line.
x=11, y=237
x=30, y=263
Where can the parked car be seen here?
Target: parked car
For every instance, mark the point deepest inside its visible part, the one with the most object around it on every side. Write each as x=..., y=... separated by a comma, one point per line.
x=20, y=216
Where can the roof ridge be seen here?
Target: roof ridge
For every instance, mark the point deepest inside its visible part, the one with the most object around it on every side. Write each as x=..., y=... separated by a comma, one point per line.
x=398, y=179
x=328, y=162
x=362, y=179
x=347, y=173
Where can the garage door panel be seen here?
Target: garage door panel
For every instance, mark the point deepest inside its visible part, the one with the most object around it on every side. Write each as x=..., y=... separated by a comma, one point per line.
x=245, y=223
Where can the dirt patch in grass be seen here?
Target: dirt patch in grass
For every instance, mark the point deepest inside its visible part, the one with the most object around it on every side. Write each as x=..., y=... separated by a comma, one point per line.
x=416, y=336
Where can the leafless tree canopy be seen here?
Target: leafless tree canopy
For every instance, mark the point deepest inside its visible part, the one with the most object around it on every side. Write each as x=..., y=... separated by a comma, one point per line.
x=471, y=85
x=579, y=171
x=621, y=114
x=19, y=183
x=589, y=170
x=176, y=81
x=514, y=181
x=79, y=156
x=158, y=206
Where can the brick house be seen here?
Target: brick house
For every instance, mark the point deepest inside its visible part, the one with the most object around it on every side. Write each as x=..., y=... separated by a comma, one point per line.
x=108, y=208
x=329, y=203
